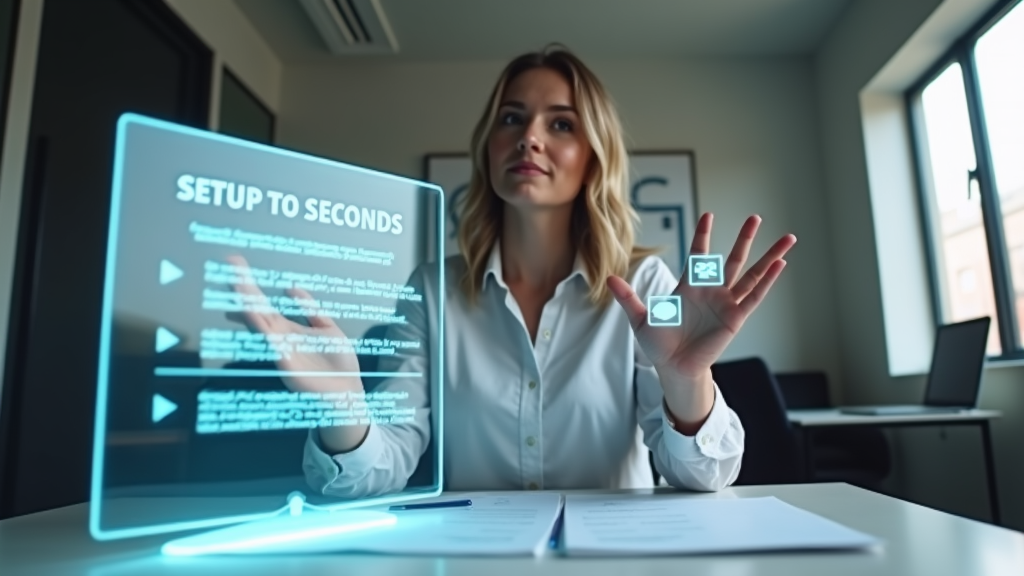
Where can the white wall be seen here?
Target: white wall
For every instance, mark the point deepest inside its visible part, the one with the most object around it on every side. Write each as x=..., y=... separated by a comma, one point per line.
x=750, y=121
x=237, y=45
x=941, y=468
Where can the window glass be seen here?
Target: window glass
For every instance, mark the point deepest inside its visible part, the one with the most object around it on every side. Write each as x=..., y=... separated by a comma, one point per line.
x=999, y=55
x=241, y=114
x=961, y=249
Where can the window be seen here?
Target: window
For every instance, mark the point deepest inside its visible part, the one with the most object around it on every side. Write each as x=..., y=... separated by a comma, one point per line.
x=968, y=122
x=241, y=112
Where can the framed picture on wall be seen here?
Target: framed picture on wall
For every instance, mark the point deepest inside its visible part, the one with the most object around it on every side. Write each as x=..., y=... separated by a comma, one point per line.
x=662, y=189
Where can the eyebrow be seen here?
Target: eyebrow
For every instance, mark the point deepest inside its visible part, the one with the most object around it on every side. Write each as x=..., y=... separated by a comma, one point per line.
x=552, y=108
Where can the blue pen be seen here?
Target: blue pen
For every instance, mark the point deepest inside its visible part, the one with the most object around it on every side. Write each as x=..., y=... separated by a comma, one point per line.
x=556, y=531
x=428, y=505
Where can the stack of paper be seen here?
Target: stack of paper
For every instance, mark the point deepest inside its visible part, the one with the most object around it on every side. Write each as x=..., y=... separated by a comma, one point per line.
x=524, y=523
x=671, y=524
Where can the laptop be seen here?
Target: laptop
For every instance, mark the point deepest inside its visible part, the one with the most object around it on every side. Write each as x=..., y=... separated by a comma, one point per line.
x=955, y=375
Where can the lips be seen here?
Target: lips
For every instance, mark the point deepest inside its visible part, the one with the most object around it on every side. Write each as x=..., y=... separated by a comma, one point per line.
x=527, y=168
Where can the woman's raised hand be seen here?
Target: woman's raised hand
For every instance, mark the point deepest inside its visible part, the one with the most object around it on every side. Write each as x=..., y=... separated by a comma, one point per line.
x=712, y=315
x=313, y=356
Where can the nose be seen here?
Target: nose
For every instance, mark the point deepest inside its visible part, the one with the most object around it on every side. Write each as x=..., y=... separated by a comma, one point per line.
x=530, y=139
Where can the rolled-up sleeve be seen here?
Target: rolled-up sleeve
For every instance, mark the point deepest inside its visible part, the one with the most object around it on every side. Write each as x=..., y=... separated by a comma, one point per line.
x=388, y=456
x=345, y=475
x=707, y=461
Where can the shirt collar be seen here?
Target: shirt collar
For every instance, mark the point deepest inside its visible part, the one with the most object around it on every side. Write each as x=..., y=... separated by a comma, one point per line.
x=494, y=268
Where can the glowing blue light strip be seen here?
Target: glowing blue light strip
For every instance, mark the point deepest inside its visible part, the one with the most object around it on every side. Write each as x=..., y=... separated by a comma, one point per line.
x=439, y=371
x=238, y=372
x=256, y=541
x=106, y=321
x=99, y=432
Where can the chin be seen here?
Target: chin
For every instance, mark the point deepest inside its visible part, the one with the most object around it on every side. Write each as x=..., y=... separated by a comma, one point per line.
x=524, y=195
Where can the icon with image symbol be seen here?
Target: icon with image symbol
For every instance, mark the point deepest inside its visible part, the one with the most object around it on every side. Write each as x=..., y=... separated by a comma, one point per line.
x=706, y=270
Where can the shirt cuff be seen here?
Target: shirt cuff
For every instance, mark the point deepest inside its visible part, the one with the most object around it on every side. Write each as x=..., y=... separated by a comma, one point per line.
x=323, y=469
x=706, y=442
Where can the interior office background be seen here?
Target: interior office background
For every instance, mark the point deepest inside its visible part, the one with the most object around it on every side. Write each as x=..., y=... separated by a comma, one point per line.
x=793, y=109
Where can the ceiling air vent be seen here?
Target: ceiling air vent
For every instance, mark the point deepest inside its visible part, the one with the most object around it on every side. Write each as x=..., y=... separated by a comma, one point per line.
x=352, y=26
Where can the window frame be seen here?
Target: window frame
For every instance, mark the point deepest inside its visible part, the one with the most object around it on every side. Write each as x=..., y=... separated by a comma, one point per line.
x=962, y=53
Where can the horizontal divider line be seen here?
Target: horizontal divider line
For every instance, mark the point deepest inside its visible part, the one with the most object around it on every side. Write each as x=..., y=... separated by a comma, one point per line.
x=233, y=372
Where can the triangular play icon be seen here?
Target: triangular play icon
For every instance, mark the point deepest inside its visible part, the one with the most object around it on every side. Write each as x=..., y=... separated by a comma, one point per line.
x=169, y=272
x=165, y=339
x=162, y=407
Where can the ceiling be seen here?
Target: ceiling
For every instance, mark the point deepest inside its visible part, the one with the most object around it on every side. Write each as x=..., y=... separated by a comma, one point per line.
x=498, y=29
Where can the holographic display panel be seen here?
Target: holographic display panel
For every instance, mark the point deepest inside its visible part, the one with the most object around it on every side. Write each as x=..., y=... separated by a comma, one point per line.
x=264, y=311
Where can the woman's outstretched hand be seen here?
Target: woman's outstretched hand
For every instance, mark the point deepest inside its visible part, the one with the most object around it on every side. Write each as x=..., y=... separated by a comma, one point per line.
x=711, y=315
x=307, y=370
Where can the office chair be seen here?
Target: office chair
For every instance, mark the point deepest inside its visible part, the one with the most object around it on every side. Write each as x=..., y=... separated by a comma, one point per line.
x=857, y=455
x=771, y=453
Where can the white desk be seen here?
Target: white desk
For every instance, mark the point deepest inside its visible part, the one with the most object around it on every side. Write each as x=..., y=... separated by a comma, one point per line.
x=808, y=420
x=919, y=541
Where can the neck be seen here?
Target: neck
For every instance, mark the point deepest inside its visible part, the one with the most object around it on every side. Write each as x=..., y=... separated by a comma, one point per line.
x=536, y=247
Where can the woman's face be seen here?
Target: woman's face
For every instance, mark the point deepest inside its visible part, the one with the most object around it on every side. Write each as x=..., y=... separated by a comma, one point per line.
x=537, y=151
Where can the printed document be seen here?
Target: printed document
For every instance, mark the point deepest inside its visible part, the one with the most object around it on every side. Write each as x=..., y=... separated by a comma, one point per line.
x=498, y=523
x=666, y=524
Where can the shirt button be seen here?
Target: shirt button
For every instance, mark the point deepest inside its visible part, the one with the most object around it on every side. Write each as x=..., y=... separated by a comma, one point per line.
x=530, y=440
x=533, y=486
x=705, y=440
x=532, y=384
x=547, y=334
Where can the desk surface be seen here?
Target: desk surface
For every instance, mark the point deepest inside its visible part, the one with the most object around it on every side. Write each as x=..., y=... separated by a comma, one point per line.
x=833, y=417
x=919, y=541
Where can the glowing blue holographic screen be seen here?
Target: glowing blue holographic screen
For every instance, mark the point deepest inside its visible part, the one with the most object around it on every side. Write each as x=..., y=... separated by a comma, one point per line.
x=263, y=311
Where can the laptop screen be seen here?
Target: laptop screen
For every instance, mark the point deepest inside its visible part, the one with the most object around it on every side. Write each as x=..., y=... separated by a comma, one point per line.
x=957, y=362
x=255, y=298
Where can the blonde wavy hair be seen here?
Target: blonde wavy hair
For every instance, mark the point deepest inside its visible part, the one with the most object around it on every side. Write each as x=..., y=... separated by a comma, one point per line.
x=603, y=222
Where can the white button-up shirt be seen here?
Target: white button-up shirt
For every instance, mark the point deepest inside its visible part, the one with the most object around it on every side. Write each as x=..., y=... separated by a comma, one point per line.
x=572, y=410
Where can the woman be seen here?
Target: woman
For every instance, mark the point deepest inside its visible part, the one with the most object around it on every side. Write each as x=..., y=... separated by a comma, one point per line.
x=549, y=384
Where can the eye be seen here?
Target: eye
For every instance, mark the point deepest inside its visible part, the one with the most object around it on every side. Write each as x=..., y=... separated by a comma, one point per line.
x=562, y=125
x=510, y=118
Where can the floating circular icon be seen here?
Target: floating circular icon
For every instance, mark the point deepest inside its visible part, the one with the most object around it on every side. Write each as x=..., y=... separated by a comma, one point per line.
x=664, y=311
x=706, y=270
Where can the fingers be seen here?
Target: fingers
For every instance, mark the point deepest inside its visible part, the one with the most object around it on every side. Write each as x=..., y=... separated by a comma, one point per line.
x=748, y=281
x=702, y=235
x=741, y=249
x=264, y=321
x=309, y=305
x=630, y=302
x=748, y=304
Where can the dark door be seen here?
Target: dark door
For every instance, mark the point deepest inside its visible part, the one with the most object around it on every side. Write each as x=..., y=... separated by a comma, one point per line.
x=97, y=59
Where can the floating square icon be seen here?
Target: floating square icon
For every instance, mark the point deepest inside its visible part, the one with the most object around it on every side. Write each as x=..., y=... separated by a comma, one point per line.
x=664, y=311
x=706, y=270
